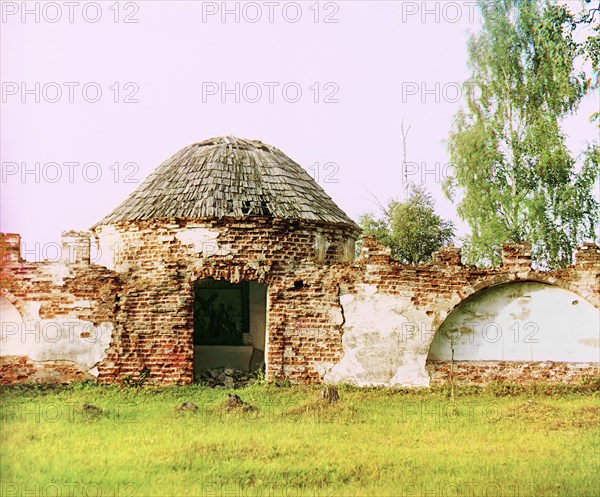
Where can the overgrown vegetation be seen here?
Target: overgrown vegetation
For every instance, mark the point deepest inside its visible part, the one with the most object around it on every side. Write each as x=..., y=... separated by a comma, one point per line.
x=512, y=172
x=412, y=229
x=539, y=439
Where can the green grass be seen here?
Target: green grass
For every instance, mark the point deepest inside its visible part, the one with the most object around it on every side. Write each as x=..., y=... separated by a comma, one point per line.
x=502, y=441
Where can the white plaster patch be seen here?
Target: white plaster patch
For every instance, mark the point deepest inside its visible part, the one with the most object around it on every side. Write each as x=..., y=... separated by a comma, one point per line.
x=521, y=321
x=110, y=247
x=59, y=272
x=203, y=241
x=60, y=339
x=323, y=367
x=412, y=373
x=368, y=290
x=31, y=311
x=385, y=341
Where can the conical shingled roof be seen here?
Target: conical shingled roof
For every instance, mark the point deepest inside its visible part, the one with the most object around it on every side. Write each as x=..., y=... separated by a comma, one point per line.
x=228, y=177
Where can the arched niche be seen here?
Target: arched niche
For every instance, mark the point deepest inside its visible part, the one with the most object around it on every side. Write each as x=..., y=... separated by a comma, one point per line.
x=520, y=321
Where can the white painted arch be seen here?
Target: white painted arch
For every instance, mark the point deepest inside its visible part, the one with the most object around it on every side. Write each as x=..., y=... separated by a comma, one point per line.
x=520, y=321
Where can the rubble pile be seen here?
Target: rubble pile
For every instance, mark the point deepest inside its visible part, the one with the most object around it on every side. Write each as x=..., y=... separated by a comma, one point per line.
x=226, y=378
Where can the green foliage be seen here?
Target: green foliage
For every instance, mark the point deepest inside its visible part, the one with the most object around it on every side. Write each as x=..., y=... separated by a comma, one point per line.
x=411, y=229
x=516, y=177
x=258, y=378
x=130, y=381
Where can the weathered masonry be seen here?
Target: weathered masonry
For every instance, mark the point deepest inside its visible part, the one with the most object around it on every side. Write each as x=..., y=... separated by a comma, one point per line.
x=230, y=254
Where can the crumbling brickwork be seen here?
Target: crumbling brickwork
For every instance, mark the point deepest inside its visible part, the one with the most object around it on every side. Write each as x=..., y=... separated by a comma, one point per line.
x=50, y=298
x=424, y=295
x=234, y=210
x=481, y=373
x=148, y=298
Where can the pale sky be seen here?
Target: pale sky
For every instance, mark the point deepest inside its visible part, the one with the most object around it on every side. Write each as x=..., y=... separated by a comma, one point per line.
x=331, y=95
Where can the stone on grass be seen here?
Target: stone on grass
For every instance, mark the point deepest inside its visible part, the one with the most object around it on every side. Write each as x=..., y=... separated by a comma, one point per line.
x=234, y=403
x=330, y=393
x=91, y=409
x=186, y=406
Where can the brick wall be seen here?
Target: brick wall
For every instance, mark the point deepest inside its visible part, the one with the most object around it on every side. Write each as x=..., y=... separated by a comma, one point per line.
x=482, y=372
x=148, y=297
x=47, y=295
x=156, y=318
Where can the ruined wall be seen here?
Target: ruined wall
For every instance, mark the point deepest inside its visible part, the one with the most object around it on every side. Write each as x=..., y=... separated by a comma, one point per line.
x=517, y=372
x=392, y=313
x=521, y=321
x=367, y=322
x=161, y=261
x=57, y=319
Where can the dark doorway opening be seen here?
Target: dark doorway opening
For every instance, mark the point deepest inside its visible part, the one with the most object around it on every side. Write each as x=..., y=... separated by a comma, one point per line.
x=229, y=325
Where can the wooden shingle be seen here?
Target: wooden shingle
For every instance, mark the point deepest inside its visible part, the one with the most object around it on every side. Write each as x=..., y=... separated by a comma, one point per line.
x=228, y=177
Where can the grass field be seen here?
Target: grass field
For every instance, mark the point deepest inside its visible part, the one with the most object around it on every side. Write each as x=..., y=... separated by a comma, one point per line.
x=373, y=442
